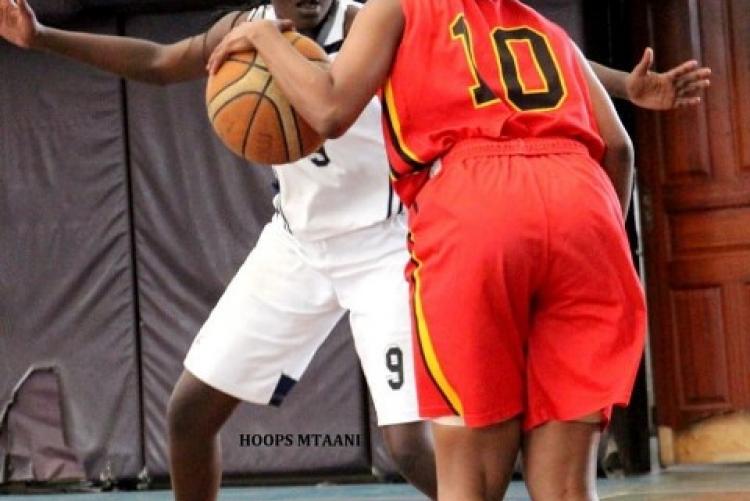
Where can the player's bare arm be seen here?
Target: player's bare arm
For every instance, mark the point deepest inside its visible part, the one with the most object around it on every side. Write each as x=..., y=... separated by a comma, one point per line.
x=618, y=159
x=127, y=57
x=679, y=87
x=330, y=100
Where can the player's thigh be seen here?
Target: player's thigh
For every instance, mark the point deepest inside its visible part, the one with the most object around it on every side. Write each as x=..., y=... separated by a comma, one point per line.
x=266, y=327
x=477, y=241
x=589, y=319
x=377, y=296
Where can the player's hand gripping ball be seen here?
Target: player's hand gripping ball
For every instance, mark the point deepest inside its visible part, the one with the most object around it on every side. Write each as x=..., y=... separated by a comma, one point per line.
x=251, y=115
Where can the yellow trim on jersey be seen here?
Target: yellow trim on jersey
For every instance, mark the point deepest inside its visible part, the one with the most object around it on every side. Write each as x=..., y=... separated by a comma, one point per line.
x=468, y=45
x=396, y=123
x=425, y=342
x=524, y=87
x=495, y=49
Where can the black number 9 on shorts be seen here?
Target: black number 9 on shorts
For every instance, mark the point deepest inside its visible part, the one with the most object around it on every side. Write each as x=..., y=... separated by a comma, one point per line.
x=394, y=360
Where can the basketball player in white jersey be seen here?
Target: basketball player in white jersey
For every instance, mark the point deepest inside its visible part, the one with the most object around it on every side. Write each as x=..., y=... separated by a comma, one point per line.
x=336, y=243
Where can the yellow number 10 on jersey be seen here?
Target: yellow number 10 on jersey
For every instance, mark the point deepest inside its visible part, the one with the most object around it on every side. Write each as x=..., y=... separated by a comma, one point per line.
x=506, y=42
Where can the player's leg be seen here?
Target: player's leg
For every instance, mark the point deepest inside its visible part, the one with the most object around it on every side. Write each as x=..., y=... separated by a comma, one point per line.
x=475, y=464
x=560, y=460
x=476, y=251
x=195, y=415
x=254, y=346
x=410, y=447
x=587, y=331
x=369, y=280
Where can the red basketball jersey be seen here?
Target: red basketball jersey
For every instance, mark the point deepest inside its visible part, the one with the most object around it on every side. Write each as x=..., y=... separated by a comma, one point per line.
x=479, y=68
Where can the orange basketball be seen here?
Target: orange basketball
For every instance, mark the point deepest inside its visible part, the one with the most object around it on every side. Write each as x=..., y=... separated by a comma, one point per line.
x=252, y=116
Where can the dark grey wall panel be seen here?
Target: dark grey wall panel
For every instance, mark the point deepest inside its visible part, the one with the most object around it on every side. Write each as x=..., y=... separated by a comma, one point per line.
x=66, y=296
x=55, y=10
x=198, y=211
x=567, y=13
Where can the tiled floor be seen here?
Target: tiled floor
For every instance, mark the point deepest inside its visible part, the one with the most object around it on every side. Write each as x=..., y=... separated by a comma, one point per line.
x=729, y=483
x=704, y=484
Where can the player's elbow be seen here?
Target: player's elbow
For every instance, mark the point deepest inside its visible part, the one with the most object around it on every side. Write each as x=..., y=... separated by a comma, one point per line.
x=162, y=67
x=621, y=149
x=150, y=73
x=332, y=124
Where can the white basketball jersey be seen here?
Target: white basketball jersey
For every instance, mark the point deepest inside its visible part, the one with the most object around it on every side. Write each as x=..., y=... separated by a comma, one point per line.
x=345, y=186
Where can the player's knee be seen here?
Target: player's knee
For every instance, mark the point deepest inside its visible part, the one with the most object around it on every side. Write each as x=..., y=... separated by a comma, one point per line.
x=181, y=420
x=406, y=460
x=186, y=411
x=196, y=410
x=577, y=491
x=408, y=446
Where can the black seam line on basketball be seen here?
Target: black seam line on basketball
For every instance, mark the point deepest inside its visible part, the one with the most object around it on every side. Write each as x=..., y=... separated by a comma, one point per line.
x=417, y=166
x=278, y=117
x=264, y=68
x=317, y=60
x=419, y=338
x=249, y=68
x=237, y=60
x=314, y=60
x=294, y=113
x=252, y=116
x=296, y=129
x=235, y=97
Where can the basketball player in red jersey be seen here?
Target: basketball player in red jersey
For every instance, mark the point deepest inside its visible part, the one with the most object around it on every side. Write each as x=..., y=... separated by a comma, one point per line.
x=197, y=409
x=528, y=315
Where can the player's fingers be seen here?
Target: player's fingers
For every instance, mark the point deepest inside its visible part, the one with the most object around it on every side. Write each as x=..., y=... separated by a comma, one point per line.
x=693, y=88
x=690, y=80
x=9, y=8
x=685, y=102
x=641, y=69
x=5, y=7
x=682, y=69
x=699, y=75
x=222, y=52
x=217, y=56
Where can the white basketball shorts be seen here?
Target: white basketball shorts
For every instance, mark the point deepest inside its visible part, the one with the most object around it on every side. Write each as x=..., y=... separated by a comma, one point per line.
x=286, y=298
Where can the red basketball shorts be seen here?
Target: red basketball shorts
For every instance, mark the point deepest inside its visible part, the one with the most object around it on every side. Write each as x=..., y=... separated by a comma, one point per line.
x=523, y=290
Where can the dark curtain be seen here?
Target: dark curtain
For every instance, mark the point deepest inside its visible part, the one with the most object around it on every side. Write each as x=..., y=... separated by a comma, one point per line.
x=66, y=277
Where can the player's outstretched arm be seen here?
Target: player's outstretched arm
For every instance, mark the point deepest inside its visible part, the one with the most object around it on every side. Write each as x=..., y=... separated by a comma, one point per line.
x=681, y=86
x=329, y=99
x=127, y=57
x=618, y=159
